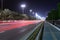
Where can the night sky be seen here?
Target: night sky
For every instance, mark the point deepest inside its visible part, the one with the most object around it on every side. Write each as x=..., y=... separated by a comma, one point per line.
x=41, y=6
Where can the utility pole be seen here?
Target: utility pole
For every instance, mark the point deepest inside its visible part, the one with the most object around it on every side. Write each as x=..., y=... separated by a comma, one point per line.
x=2, y=4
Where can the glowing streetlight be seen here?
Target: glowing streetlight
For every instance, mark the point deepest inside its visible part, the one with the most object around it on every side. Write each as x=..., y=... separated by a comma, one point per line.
x=23, y=7
x=30, y=10
x=37, y=16
x=33, y=12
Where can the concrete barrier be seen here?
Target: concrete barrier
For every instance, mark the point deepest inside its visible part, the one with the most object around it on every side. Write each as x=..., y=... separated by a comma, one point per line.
x=29, y=34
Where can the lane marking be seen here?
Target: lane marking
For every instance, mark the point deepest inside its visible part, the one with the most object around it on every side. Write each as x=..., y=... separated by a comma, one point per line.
x=53, y=35
x=23, y=30
x=54, y=26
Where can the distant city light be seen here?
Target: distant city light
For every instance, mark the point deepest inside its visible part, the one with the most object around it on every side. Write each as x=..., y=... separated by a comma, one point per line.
x=46, y=16
x=43, y=18
x=39, y=17
x=36, y=14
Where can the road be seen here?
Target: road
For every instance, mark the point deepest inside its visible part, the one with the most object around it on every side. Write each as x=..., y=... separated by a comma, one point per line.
x=16, y=30
x=51, y=32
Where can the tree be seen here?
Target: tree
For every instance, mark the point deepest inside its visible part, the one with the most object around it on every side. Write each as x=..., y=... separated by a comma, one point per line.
x=52, y=15
x=59, y=10
x=7, y=14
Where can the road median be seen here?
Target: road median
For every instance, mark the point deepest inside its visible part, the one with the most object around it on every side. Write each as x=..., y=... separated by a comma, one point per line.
x=33, y=34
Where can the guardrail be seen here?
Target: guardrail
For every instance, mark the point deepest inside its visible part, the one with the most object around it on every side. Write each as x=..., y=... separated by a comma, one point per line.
x=40, y=34
x=33, y=34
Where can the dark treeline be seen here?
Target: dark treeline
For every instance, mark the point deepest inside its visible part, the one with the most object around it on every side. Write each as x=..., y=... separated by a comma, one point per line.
x=54, y=14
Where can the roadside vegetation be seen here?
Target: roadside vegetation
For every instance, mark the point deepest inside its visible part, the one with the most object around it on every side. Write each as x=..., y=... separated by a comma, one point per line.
x=7, y=14
x=54, y=14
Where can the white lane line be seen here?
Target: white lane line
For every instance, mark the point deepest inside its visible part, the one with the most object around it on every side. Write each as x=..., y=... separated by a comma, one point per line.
x=54, y=26
x=23, y=30
x=53, y=35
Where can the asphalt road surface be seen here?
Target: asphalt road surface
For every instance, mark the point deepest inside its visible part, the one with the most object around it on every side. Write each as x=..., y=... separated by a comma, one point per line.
x=50, y=32
x=17, y=30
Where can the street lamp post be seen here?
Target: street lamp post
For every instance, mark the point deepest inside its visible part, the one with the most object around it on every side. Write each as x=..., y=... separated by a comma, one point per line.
x=33, y=12
x=2, y=4
x=23, y=7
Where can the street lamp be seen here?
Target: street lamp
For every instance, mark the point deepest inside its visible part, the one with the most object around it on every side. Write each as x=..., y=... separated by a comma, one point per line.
x=23, y=7
x=30, y=10
x=33, y=12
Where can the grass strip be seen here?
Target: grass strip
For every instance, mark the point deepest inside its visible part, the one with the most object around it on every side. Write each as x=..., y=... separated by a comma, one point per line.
x=35, y=33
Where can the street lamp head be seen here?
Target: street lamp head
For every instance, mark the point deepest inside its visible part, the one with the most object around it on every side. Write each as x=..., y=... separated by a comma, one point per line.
x=30, y=10
x=23, y=5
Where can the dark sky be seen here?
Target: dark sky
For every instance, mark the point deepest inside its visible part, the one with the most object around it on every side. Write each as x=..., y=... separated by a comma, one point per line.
x=41, y=6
